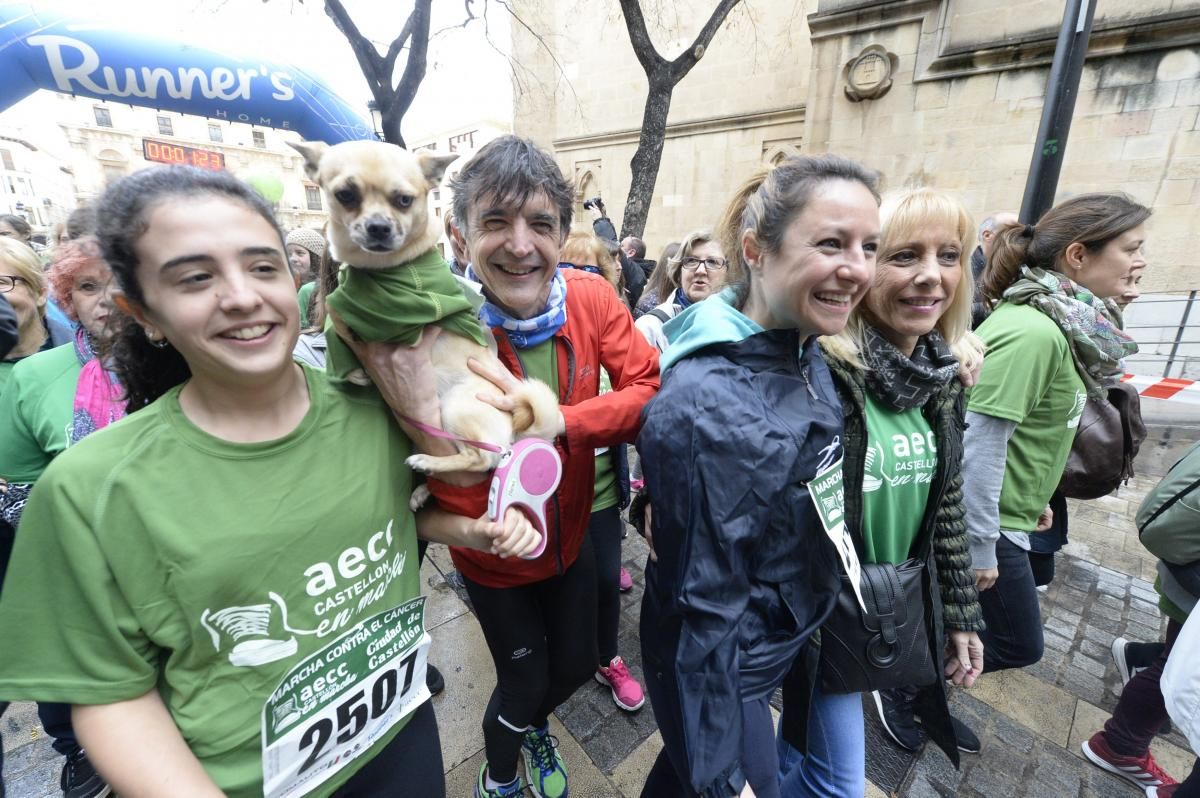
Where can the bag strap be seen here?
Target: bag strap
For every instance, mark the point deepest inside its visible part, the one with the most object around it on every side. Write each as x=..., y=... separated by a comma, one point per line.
x=883, y=584
x=659, y=314
x=1168, y=504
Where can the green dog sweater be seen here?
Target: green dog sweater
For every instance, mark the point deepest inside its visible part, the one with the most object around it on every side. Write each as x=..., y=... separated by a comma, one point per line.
x=394, y=306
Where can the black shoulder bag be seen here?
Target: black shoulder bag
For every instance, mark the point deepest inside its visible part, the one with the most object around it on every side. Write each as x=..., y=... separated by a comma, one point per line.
x=1110, y=433
x=886, y=647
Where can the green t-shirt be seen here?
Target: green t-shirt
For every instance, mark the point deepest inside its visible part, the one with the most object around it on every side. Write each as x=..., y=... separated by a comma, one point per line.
x=1029, y=377
x=250, y=584
x=304, y=298
x=606, y=494
x=900, y=463
x=541, y=363
x=35, y=412
x=6, y=367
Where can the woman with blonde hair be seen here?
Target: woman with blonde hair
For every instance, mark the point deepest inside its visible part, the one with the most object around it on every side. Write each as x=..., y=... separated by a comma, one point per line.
x=696, y=272
x=23, y=284
x=896, y=368
x=587, y=252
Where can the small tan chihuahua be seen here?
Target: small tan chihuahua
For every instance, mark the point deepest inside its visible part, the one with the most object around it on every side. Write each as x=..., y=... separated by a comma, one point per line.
x=381, y=228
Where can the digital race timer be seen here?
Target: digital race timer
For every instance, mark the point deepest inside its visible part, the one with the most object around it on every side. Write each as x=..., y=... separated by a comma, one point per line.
x=166, y=152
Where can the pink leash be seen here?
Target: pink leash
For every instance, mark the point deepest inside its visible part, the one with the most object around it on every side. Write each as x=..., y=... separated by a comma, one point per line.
x=527, y=476
x=441, y=433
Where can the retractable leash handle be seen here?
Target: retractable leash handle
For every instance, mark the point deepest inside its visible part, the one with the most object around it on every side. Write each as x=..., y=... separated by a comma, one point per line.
x=527, y=477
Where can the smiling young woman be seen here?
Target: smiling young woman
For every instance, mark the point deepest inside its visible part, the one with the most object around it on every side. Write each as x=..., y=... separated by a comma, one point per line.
x=199, y=581
x=744, y=571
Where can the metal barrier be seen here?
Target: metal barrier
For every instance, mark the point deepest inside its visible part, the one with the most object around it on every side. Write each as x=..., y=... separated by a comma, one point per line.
x=1167, y=332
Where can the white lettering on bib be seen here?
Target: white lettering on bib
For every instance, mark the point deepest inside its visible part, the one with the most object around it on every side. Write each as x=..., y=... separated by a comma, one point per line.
x=338, y=702
x=829, y=499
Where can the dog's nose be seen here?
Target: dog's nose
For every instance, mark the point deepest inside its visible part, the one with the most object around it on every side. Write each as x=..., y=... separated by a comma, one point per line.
x=379, y=229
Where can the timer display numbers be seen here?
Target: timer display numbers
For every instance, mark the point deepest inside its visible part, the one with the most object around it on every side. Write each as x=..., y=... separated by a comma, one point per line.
x=166, y=152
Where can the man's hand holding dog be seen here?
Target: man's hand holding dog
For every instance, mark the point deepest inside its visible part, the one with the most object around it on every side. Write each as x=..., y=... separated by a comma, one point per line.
x=406, y=379
x=507, y=384
x=405, y=376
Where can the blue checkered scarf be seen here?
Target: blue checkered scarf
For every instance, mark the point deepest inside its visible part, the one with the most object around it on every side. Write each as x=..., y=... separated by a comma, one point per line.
x=527, y=333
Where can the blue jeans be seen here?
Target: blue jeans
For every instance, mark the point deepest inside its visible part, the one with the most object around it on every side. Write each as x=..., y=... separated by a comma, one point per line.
x=835, y=765
x=1013, y=638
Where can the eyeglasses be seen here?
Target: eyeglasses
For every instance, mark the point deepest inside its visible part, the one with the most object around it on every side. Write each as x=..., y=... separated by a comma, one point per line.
x=592, y=269
x=710, y=264
x=9, y=283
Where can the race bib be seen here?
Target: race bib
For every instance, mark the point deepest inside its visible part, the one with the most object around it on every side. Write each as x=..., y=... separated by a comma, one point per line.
x=338, y=702
x=825, y=490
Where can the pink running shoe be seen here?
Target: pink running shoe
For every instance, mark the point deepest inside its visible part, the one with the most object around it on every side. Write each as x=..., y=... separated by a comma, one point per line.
x=1140, y=770
x=624, y=581
x=626, y=692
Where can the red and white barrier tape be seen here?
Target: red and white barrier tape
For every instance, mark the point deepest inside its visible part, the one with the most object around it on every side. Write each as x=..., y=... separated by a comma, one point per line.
x=1165, y=388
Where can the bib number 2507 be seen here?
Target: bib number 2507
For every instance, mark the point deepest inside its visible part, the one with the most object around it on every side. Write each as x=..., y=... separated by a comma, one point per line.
x=355, y=712
x=338, y=702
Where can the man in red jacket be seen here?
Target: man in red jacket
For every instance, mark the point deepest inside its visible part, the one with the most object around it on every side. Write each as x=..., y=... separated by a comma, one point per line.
x=513, y=206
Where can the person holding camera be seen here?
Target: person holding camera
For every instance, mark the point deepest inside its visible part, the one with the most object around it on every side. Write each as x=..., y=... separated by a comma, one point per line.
x=633, y=278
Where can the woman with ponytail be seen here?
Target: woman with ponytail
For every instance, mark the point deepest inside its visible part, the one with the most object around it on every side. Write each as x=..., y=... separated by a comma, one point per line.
x=742, y=457
x=1053, y=339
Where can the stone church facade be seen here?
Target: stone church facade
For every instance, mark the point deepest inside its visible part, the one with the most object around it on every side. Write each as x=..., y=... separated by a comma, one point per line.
x=944, y=93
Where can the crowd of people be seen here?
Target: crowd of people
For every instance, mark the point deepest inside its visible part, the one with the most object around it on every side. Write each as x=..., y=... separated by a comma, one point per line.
x=848, y=424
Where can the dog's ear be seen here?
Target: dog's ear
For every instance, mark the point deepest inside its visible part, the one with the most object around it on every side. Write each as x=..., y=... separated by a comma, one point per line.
x=312, y=152
x=434, y=166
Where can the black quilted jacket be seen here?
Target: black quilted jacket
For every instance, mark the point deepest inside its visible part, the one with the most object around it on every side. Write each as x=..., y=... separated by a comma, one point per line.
x=944, y=514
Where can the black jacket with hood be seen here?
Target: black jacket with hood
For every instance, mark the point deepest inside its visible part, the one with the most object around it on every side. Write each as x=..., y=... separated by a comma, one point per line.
x=745, y=571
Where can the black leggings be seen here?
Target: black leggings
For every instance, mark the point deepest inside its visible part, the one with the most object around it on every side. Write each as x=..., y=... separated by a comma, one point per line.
x=605, y=528
x=543, y=642
x=411, y=764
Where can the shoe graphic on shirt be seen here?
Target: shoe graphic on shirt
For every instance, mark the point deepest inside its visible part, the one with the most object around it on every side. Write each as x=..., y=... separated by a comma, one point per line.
x=251, y=634
x=872, y=470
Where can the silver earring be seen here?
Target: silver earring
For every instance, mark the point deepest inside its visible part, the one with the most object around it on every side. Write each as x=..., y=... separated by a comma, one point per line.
x=160, y=343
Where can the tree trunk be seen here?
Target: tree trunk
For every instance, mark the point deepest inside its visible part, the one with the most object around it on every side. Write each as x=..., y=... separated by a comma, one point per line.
x=648, y=157
x=662, y=76
x=393, y=115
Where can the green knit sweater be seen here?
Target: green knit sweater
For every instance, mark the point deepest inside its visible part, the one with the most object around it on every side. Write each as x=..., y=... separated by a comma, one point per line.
x=945, y=413
x=394, y=305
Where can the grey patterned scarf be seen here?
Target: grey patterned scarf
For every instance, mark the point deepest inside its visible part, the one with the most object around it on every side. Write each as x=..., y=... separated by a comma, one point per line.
x=903, y=382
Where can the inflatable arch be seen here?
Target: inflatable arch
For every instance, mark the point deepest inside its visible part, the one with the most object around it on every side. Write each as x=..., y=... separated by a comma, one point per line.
x=43, y=50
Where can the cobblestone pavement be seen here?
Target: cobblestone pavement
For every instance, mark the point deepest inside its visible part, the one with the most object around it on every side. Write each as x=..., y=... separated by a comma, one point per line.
x=1031, y=722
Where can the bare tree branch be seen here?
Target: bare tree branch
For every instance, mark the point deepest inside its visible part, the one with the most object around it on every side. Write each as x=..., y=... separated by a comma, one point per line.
x=662, y=77
x=540, y=40
x=684, y=62
x=418, y=55
x=364, y=51
x=639, y=37
x=393, y=52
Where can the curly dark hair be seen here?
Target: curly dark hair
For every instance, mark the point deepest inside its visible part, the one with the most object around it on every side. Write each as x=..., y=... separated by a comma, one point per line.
x=510, y=170
x=146, y=371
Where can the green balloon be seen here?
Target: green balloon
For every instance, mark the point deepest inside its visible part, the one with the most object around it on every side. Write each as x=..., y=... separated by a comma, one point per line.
x=269, y=186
